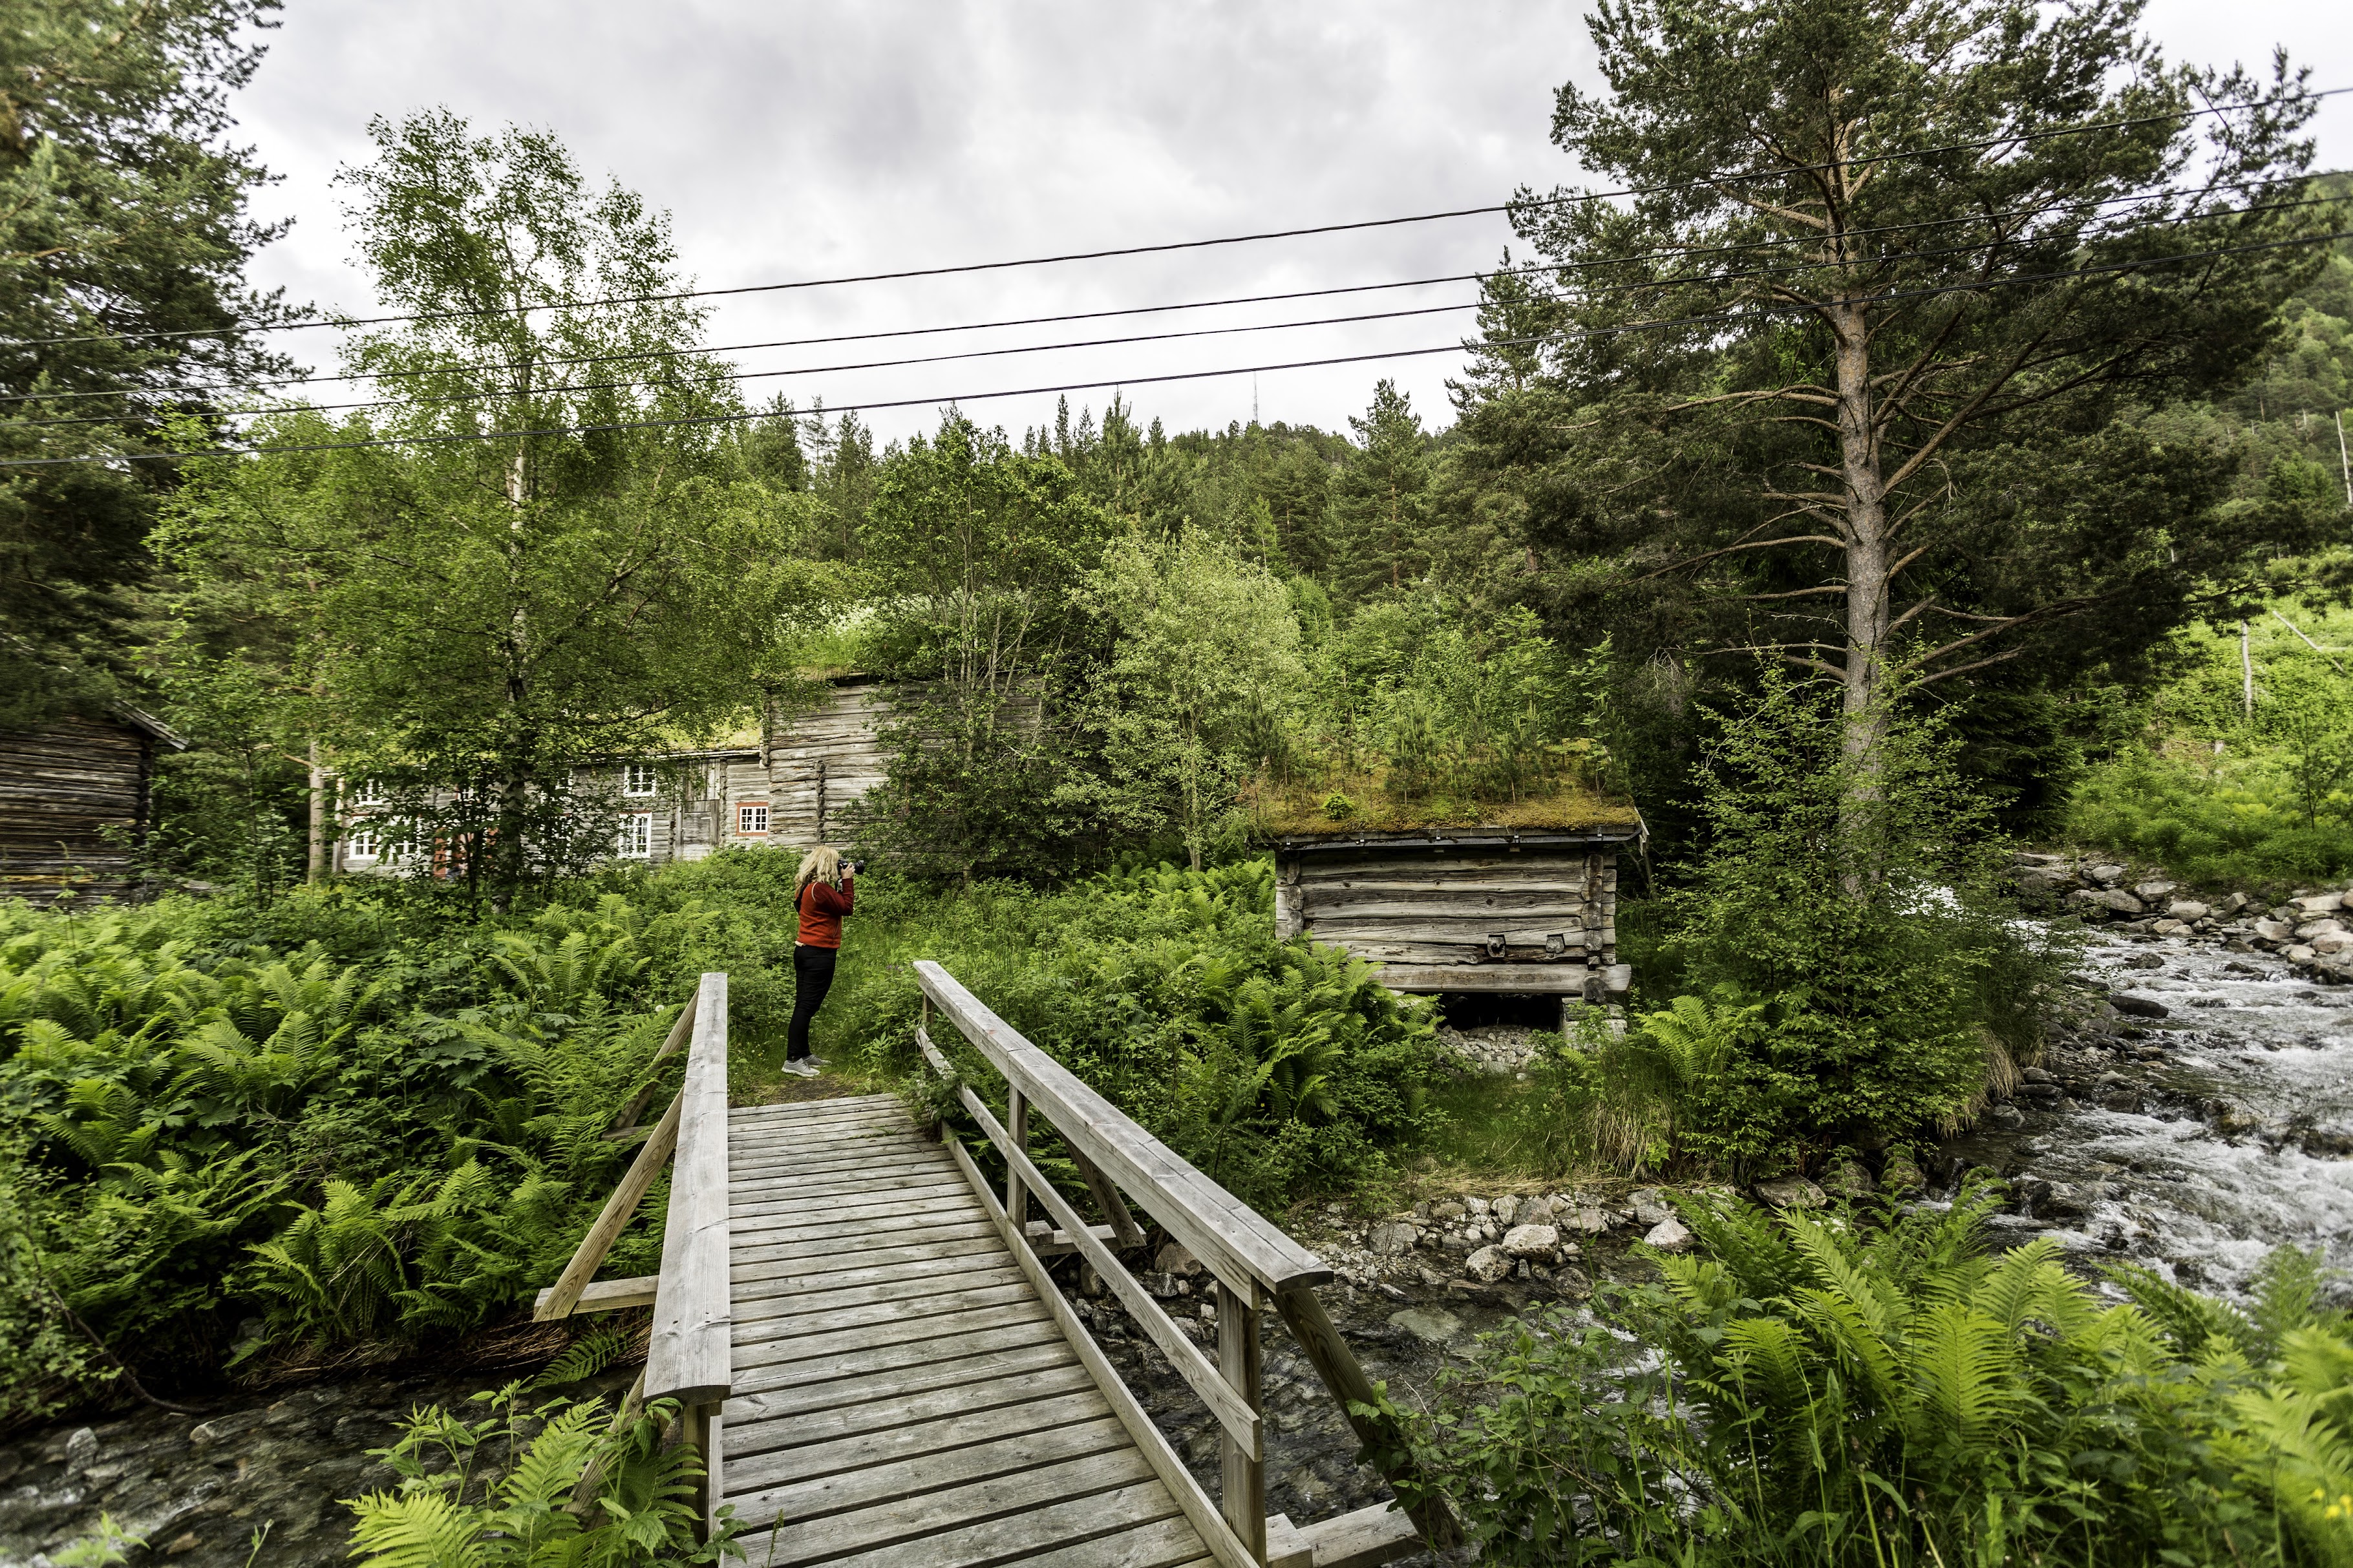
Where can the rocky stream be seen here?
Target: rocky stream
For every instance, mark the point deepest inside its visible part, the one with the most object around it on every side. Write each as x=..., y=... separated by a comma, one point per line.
x=2192, y=1111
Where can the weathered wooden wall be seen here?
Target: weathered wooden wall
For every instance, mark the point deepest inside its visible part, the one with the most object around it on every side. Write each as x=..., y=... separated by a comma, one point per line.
x=73, y=809
x=1444, y=917
x=819, y=764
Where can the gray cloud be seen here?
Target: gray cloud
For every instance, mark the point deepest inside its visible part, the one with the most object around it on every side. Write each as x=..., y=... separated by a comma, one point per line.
x=796, y=140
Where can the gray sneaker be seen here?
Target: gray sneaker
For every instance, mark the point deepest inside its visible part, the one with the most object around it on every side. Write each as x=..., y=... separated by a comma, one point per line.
x=802, y=1068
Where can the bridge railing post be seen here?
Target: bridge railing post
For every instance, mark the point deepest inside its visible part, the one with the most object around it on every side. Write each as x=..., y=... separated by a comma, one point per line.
x=1241, y=1471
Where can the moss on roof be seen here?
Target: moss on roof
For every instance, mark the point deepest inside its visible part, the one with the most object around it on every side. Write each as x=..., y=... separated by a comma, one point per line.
x=1352, y=805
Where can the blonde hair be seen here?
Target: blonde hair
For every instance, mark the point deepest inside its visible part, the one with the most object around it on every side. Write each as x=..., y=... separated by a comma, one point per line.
x=820, y=864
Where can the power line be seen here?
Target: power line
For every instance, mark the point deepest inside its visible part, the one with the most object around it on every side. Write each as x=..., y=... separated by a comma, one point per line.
x=1717, y=318
x=1706, y=182
x=1549, y=266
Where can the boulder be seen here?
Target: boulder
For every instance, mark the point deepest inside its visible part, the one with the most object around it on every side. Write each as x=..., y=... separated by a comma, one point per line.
x=1791, y=1193
x=2168, y=927
x=1849, y=1179
x=1427, y=1324
x=1394, y=1239
x=1506, y=1209
x=1650, y=1208
x=1487, y=1264
x=2297, y=953
x=1590, y=1220
x=1902, y=1174
x=1480, y=1206
x=2334, y=941
x=1174, y=1259
x=1452, y=1209
x=2188, y=909
x=2108, y=874
x=82, y=1448
x=2114, y=900
x=2321, y=904
x=1669, y=1235
x=2037, y=1075
x=1537, y=1241
x=2138, y=1006
x=2274, y=930
x=2154, y=891
x=2311, y=928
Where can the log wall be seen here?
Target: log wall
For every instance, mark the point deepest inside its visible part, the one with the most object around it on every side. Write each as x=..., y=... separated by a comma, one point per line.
x=74, y=801
x=1540, y=917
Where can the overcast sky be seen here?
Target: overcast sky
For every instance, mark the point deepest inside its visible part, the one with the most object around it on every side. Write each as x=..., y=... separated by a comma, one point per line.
x=790, y=139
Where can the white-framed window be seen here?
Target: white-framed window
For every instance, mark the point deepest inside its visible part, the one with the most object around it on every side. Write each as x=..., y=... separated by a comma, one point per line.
x=366, y=792
x=752, y=817
x=637, y=779
x=362, y=843
x=637, y=836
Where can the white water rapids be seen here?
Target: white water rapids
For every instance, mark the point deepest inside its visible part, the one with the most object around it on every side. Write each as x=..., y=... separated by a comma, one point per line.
x=2223, y=1130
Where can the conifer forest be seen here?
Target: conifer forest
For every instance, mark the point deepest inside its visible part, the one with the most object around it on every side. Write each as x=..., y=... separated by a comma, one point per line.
x=1884, y=527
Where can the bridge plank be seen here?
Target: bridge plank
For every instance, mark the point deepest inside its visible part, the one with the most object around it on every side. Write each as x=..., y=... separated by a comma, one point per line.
x=796, y=1252
x=1026, y=1347
x=1167, y=1543
x=970, y=1394
x=848, y=1286
x=776, y=1230
x=927, y=1348
x=915, y=1439
x=863, y=1336
x=754, y=1328
x=795, y=1311
x=982, y=1239
x=873, y=1166
x=784, y=1197
x=1076, y=1531
x=900, y=1503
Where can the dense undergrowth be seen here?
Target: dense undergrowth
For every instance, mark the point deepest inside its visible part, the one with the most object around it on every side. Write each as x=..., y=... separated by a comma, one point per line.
x=1881, y=1390
x=353, y=1118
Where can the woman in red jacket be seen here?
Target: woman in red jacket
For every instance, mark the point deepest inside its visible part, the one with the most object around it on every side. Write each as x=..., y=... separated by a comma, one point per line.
x=823, y=892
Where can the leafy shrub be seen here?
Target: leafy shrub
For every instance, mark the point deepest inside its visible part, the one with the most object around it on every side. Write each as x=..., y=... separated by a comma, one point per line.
x=571, y=1488
x=1833, y=1391
x=1851, y=927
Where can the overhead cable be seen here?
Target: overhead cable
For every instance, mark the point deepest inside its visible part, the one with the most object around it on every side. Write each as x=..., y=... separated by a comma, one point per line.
x=1711, y=181
x=740, y=418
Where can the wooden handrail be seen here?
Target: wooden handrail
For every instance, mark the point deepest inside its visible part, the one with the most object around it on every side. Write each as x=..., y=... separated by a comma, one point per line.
x=1254, y=1264
x=689, y=1357
x=1249, y=1255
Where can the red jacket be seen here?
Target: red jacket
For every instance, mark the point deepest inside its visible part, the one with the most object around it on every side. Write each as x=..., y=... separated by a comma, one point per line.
x=822, y=905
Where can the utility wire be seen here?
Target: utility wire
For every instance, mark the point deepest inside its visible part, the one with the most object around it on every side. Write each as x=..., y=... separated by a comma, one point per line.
x=740, y=418
x=1714, y=181
x=493, y=394
x=1554, y=267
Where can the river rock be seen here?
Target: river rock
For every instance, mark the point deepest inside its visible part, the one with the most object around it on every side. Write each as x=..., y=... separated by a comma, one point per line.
x=2274, y=930
x=2188, y=909
x=2115, y=899
x=1539, y=1242
x=1450, y=1209
x=1849, y=1179
x=2310, y=929
x=1394, y=1239
x=2321, y=904
x=1669, y=1235
x=2333, y=941
x=1427, y=1324
x=1174, y=1259
x=2154, y=891
x=82, y=1448
x=1791, y=1193
x=1650, y=1208
x=1505, y=1209
x=1591, y=1220
x=2111, y=875
x=1487, y=1264
x=2138, y=1006
x=1902, y=1174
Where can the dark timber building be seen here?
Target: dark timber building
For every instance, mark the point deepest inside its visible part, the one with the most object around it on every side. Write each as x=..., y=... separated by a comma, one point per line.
x=75, y=803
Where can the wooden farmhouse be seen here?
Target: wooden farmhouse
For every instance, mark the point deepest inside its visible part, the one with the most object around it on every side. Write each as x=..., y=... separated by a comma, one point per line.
x=76, y=803
x=1515, y=911
x=788, y=783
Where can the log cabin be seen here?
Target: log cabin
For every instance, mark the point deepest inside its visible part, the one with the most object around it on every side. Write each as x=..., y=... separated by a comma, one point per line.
x=1519, y=912
x=77, y=801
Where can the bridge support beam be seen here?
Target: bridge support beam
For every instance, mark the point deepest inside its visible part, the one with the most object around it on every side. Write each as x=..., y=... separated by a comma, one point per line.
x=1242, y=1495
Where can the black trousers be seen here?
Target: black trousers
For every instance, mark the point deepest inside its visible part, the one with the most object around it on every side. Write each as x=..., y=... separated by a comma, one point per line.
x=812, y=978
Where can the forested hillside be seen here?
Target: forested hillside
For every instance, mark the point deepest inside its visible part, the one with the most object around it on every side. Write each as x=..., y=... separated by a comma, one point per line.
x=1917, y=437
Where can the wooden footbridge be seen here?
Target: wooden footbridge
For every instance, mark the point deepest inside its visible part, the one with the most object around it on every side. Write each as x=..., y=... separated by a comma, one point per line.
x=860, y=1329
